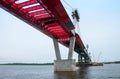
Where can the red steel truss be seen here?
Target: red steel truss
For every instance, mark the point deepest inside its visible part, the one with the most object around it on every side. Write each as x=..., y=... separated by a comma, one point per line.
x=48, y=16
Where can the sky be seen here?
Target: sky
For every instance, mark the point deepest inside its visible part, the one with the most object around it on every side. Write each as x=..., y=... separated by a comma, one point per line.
x=99, y=28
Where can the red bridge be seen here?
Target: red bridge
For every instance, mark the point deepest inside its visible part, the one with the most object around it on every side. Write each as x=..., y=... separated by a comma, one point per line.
x=50, y=18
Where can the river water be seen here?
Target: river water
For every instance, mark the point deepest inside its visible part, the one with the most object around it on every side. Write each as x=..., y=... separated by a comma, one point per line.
x=108, y=71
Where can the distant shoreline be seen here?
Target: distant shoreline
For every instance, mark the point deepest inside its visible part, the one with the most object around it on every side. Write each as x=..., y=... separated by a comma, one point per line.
x=115, y=62
x=39, y=64
x=28, y=64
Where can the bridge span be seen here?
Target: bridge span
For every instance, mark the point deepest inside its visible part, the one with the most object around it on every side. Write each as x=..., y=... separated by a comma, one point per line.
x=50, y=18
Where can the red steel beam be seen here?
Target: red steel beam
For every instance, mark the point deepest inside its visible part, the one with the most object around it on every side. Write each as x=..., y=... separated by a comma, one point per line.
x=59, y=24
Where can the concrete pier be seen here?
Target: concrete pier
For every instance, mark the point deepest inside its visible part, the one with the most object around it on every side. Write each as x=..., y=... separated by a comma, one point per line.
x=57, y=50
x=64, y=65
x=71, y=47
x=68, y=64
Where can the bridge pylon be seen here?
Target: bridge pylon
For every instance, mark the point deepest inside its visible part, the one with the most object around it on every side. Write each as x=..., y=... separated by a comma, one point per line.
x=66, y=64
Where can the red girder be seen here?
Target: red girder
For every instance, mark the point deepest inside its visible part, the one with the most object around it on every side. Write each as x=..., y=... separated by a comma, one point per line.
x=48, y=16
x=51, y=25
x=40, y=12
x=27, y=3
x=55, y=27
x=42, y=17
x=33, y=8
x=79, y=41
x=59, y=12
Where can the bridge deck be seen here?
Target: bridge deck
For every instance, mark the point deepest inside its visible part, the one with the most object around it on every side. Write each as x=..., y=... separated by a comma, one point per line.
x=48, y=16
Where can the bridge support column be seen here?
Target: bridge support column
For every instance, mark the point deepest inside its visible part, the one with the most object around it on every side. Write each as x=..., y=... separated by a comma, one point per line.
x=66, y=64
x=57, y=50
x=71, y=47
x=83, y=61
x=80, y=59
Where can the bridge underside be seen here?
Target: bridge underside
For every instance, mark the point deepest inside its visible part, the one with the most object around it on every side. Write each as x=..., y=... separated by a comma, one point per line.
x=49, y=17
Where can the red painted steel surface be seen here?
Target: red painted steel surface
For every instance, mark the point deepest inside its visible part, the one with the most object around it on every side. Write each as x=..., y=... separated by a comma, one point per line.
x=48, y=16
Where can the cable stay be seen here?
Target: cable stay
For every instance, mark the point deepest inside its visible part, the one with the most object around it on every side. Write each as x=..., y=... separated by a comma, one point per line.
x=68, y=4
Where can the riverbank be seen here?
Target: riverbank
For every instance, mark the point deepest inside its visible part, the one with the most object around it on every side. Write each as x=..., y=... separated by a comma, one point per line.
x=28, y=64
x=114, y=62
